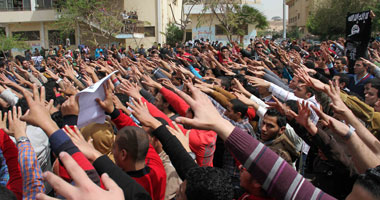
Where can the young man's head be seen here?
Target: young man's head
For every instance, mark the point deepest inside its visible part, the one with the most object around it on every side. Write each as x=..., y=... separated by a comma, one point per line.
x=360, y=68
x=225, y=52
x=339, y=64
x=303, y=91
x=343, y=80
x=130, y=148
x=293, y=83
x=367, y=185
x=236, y=110
x=162, y=104
x=371, y=89
x=204, y=183
x=273, y=125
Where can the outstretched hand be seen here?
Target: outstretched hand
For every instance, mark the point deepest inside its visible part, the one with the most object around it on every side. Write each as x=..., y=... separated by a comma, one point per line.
x=86, y=147
x=205, y=114
x=141, y=112
x=38, y=114
x=106, y=104
x=84, y=188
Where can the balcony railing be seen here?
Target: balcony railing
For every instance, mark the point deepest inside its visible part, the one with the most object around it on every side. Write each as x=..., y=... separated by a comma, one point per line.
x=15, y=8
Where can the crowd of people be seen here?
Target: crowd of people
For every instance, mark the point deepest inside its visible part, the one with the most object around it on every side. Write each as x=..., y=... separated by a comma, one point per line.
x=288, y=120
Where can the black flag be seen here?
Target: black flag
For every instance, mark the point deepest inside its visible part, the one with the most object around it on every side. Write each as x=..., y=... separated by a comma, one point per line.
x=358, y=34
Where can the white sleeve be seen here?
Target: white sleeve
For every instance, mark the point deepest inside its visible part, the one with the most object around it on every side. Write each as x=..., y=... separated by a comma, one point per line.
x=9, y=97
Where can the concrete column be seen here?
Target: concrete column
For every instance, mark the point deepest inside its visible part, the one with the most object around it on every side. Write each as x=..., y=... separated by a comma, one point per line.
x=33, y=5
x=159, y=21
x=77, y=33
x=7, y=30
x=42, y=34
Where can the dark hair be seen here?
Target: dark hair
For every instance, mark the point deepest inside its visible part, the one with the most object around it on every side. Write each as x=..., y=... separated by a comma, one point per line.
x=239, y=106
x=205, y=183
x=224, y=47
x=225, y=82
x=6, y=194
x=310, y=90
x=370, y=181
x=281, y=119
x=375, y=83
x=343, y=60
x=343, y=78
x=293, y=105
x=134, y=140
x=123, y=98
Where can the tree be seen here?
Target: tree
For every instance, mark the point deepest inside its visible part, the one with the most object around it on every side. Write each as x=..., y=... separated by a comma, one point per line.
x=376, y=21
x=233, y=17
x=95, y=17
x=184, y=20
x=245, y=15
x=8, y=43
x=328, y=18
x=173, y=34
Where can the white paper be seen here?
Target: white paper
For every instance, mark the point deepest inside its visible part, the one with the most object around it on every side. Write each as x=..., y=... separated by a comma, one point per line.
x=89, y=109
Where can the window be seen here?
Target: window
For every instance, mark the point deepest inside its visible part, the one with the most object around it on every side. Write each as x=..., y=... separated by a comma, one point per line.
x=219, y=30
x=57, y=37
x=149, y=31
x=189, y=35
x=298, y=16
x=14, y=4
x=28, y=35
x=44, y=4
x=2, y=31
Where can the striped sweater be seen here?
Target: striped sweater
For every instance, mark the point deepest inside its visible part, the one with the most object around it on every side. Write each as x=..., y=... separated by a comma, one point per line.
x=278, y=178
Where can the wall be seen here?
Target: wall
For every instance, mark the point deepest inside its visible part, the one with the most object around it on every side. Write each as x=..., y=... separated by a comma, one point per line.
x=206, y=29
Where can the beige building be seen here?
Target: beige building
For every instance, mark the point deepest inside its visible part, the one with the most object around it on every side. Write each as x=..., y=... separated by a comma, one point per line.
x=298, y=13
x=206, y=25
x=34, y=21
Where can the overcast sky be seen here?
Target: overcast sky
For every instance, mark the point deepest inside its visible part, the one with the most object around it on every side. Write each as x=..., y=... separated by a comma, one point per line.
x=271, y=8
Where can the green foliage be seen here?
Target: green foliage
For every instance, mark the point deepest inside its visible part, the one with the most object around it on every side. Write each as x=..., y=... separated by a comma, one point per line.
x=376, y=21
x=173, y=34
x=8, y=43
x=234, y=18
x=245, y=15
x=328, y=19
x=293, y=34
x=101, y=16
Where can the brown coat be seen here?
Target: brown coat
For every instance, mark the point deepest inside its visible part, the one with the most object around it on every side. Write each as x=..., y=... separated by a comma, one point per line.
x=284, y=148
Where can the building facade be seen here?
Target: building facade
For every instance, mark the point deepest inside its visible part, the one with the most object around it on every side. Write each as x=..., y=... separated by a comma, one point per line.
x=155, y=15
x=206, y=25
x=34, y=21
x=299, y=12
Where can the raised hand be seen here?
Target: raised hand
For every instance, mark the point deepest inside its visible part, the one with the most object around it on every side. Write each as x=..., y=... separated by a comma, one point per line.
x=303, y=118
x=86, y=147
x=3, y=122
x=16, y=126
x=130, y=89
x=205, y=114
x=107, y=103
x=141, y=112
x=69, y=89
x=70, y=107
x=84, y=188
x=183, y=138
x=38, y=114
x=148, y=81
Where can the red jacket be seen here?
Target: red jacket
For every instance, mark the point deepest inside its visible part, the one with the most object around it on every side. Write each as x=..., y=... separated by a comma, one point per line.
x=153, y=176
x=10, y=153
x=202, y=142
